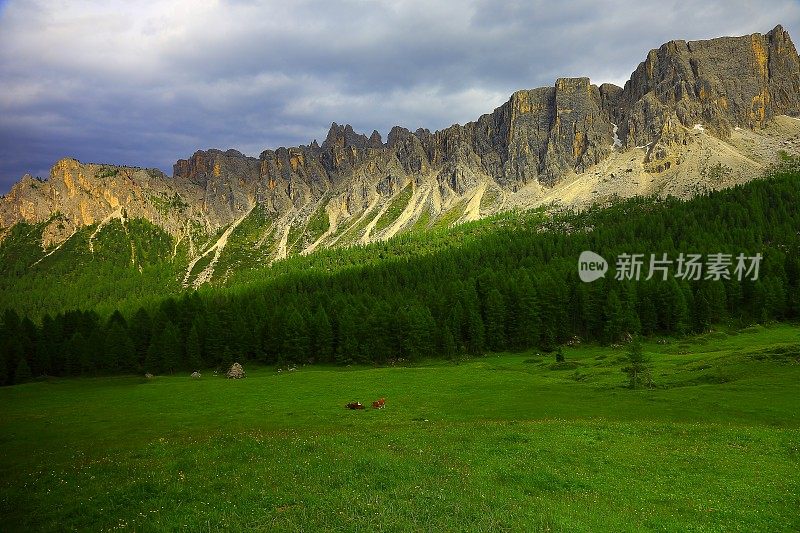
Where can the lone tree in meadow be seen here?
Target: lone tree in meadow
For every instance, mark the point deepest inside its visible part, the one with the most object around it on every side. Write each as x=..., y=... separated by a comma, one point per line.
x=638, y=368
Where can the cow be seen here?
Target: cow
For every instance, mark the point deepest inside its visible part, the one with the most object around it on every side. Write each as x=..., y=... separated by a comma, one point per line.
x=379, y=404
x=355, y=405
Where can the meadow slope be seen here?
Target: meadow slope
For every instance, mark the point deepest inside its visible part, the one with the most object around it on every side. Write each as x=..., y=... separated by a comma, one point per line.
x=501, y=442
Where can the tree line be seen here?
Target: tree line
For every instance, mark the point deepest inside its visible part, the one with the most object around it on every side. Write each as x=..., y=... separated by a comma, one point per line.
x=514, y=287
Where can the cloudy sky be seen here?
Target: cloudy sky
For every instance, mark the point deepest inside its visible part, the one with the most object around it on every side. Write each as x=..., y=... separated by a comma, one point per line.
x=147, y=82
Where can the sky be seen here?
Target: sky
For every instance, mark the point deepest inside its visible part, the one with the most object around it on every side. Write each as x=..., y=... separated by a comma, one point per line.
x=148, y=82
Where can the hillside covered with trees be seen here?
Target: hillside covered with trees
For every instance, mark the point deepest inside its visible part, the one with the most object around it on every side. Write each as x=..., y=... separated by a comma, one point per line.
x=507, y=283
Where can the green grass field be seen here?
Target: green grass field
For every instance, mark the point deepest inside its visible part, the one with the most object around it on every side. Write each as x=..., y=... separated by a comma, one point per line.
x=503, y=442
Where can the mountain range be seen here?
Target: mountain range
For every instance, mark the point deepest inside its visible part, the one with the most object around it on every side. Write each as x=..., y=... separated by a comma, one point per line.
x=694, y=116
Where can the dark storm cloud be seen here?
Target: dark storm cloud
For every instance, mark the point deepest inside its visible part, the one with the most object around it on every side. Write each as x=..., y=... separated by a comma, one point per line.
x=148, y=82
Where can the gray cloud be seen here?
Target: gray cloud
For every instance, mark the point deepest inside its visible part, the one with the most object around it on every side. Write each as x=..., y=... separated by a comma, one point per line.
x=148, y=82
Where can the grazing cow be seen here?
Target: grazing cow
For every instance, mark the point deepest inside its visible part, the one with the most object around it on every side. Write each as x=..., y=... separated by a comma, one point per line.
x=379, y=404
x=355, y=405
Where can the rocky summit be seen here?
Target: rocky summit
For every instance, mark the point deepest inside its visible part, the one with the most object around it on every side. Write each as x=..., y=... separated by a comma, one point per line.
x=694, y=116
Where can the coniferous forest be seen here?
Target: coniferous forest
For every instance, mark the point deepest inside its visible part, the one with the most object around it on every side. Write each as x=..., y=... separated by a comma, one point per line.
x=512, y=285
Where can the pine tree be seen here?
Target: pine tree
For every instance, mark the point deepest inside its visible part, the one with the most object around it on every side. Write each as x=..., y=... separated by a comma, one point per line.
x=673, y=308
x=116, y=317
x=475, y=332
x=528, y=324
x=11, y=322
x=47, y=345
x=648, y=316
x=227, y=358
x=92, y=359
x=456, y=323
x=702, y=311
x=631, y=325
x=346, y=336
x=194, y=349
x=140, y=332
x=214, y=340
x=447, y=345
x=417, y=330
x=553, y=309
x=154, y=358
x=614, y=318
x=589, y=300
x=119, y=352
x=267, y=342
x=378, y=334
x=638, y=368
x=296, y=341
x=548, y=343
x=322, y=333
x=250, y=340
x=23, y=371
x=237, y=329
x=76, y=360
x=494, y=320
x=171, y=347
x=29, y=334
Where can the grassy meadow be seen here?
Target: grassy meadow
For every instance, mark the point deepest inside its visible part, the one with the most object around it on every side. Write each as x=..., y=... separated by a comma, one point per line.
x=510, y=442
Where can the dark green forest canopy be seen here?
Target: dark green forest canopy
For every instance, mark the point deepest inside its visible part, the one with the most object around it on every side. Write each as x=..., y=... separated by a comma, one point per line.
x=509, y=282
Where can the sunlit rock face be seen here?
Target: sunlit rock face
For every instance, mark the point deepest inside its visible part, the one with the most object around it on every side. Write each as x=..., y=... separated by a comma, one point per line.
x=533, y=142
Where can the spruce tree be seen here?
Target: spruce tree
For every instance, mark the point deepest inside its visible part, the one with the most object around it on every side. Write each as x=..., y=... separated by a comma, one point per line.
x=23, y=371
x=194, y=349
x=646, y=310
x=92, y=357
x=171, y=347
x=296, y=341
x=76, y=360
x=46, y=344
x=614, y=318
x=638, y=368
x=475, y=332
x=154, y=358
x=29, y=335
x=250, y=340
x=227, y=359
x=346, y=336
x=548, y=342
x=214, y=340
x=140, y=329
x=11, y=322
x=119, y=353
x=528, y=325
x=322, y=334
x=447, y=343
x=494, y=320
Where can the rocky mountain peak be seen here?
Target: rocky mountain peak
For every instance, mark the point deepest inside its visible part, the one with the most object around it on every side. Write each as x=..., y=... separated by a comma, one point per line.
x=344, y=136
x=375, y=140
x=536, y=141
x=721, y=83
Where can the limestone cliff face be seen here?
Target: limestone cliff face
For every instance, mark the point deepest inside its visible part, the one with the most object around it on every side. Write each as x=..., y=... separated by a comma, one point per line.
x=220, y=184
x=557, y=130
x=720, y=83
x=77, y=195
x=530, y=143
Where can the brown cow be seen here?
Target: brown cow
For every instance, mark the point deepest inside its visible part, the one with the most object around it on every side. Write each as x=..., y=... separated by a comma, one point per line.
x=379, y=404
